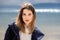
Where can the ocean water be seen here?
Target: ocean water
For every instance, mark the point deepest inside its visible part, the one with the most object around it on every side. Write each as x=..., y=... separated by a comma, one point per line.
x=48, y=22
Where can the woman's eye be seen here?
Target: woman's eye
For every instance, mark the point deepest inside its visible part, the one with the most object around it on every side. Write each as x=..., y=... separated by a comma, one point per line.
x=24, y=14
x=29, y=14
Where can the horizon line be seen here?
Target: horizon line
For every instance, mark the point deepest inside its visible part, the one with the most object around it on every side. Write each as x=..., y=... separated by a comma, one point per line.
x=37, y=10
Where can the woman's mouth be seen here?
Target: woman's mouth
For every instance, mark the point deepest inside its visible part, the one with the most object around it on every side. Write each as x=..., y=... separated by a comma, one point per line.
x=27, y=20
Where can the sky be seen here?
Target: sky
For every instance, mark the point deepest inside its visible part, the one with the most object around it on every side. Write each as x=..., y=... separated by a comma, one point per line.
x=19, y=2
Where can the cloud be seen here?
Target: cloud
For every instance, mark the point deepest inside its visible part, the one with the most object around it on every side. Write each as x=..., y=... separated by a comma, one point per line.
x=19, y=2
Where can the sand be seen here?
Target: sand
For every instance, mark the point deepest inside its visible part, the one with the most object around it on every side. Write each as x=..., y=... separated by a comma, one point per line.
x=50, y=34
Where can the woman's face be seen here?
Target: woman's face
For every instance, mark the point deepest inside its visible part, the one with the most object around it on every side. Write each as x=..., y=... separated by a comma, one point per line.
x=27, y=16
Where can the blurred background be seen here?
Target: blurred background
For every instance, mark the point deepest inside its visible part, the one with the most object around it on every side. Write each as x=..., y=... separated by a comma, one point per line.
x=47, y=16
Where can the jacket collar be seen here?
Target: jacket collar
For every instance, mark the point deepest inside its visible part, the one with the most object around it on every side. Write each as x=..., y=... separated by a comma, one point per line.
x=36, y=33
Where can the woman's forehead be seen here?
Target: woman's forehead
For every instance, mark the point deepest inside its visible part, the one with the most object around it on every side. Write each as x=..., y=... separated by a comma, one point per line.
x=27, y=11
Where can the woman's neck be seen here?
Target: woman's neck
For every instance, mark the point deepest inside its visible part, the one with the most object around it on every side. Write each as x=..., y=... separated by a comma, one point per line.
x=26, y=25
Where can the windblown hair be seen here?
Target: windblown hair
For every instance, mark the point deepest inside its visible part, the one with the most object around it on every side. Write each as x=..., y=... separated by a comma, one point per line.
x=19, y=20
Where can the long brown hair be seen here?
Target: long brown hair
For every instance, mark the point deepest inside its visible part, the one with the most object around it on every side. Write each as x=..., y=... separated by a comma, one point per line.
x=19, y=20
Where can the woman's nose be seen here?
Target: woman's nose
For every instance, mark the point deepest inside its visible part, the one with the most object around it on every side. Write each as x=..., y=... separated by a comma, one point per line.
x=27, y=16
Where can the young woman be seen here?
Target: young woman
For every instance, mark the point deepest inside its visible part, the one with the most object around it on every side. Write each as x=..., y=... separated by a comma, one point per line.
x=23, y=28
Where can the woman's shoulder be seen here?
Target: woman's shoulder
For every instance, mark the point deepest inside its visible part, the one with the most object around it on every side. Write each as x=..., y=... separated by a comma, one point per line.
x=38, y=32
x=10, y=31
x=12, y=26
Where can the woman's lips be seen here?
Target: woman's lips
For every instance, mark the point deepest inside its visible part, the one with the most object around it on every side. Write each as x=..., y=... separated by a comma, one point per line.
x=26, y=20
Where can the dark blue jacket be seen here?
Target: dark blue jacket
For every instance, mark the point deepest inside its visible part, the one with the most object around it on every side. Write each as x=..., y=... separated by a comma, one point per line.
x=12, y=33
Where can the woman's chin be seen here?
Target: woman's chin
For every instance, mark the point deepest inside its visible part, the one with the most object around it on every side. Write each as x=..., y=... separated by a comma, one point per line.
x=26, y=23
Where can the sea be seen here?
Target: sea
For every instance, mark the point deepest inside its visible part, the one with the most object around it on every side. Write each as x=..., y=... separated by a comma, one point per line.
x=47, y=19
